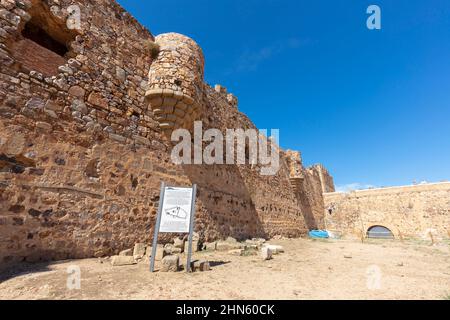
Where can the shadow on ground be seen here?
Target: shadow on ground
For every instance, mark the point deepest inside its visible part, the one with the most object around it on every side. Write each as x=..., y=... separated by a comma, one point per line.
x=25, y=269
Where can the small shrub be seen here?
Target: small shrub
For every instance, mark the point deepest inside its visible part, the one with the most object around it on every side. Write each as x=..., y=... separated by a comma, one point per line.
x=153, y=48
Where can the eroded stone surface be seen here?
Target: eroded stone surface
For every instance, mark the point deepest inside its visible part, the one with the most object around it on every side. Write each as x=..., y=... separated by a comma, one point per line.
x=82, y=152
x=118, y=261
x=170, y=263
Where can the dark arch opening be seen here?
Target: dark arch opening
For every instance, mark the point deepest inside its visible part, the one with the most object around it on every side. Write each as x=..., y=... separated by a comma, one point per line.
x=379, y=232
x=45, y=41
x=37, y=34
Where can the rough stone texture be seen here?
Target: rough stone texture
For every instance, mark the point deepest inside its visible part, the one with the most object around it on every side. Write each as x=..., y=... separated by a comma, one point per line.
x=139, y=250
x=179, y=243
x=32, y=56
x=308, y=185
x=160, y=252
x=236, y=252
x=169, y=249
x=170, y=264
x=275, y=248
x=200, y=265
x=195, y=246
x=82, y=152
x=227, y=245
x=176, y=82
x=210, y=246
x=266, y=253
x=117, y=261
x=127, y=252
x=408, y=212
x=326, y=180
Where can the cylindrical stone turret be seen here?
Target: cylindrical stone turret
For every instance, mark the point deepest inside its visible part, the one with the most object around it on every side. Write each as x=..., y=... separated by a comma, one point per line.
x=176, y=82
x=296, y=175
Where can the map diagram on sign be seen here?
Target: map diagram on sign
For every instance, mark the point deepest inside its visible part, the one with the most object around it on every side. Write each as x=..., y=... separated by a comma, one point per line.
x=177, y=212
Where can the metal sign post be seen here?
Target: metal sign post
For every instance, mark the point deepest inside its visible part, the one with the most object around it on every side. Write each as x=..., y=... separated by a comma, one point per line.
x=158, y=222
x=176, y=214
x=191, y=228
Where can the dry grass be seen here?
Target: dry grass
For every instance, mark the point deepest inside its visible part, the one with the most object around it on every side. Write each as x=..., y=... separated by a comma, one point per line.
x=153, y=48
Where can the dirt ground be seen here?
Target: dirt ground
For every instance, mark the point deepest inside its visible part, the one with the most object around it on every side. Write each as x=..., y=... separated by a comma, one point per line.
x=309, y=269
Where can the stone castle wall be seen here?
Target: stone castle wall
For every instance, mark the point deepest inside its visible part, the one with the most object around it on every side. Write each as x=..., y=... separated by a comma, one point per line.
x=408, y=212
x=308, y=185
x=84, y=119
x=326, y=180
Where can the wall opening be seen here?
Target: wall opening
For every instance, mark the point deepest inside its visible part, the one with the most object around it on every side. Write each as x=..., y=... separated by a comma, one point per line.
x=379, y=232
x=35, y=33
x=44, y=41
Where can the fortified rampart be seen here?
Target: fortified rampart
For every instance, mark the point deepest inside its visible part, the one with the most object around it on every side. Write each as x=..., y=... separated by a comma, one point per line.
x=418, y=211
x=84, y=118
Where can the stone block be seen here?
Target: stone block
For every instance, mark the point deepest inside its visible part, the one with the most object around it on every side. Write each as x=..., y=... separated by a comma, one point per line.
x=122, y=261
x=127, y=252
x=227, y=246
x=200, y=265
x=98, y=100
x=170, y=249
x=195, y=246
x=170, y=263
x=220, y=89
x=179, y=243
x=77, y=91
x=177, y=250
x=266, y=253
x=250, y=244
x=236, y=252
x=35, y=103
x=274, y=248
x=44, y=126
x=139, y=250
x=210, y=246
x=259, y=240
x=160, y=252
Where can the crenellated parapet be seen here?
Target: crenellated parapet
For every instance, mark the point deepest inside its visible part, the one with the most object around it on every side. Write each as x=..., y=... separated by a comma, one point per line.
x=176, y=82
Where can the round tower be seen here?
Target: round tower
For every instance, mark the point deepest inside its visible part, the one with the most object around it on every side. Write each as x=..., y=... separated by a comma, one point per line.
x=176, y=82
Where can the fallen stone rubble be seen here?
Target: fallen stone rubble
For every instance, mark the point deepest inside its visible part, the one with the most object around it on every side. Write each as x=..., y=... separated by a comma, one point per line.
x=170, y=255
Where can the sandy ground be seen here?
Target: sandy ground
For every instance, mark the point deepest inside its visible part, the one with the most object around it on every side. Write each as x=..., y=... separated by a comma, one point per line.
x=307, y=270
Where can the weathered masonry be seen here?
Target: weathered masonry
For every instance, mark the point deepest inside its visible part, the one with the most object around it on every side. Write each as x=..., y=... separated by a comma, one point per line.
x=417, y=212
x=84, y=117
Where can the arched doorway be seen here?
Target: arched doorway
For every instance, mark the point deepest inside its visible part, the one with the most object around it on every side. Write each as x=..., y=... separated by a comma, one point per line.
x=379, y=232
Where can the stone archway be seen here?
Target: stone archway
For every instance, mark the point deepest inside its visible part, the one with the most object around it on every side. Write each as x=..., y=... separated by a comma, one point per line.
x=379, y=232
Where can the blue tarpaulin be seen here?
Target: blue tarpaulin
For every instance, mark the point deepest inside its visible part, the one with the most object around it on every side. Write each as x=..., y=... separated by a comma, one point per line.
x=318, y=234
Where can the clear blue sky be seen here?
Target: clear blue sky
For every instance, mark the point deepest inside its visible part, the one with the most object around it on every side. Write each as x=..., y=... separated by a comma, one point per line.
x=372, y=106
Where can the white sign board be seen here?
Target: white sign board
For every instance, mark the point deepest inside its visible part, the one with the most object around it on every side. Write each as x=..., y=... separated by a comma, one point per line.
x=176, y=210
